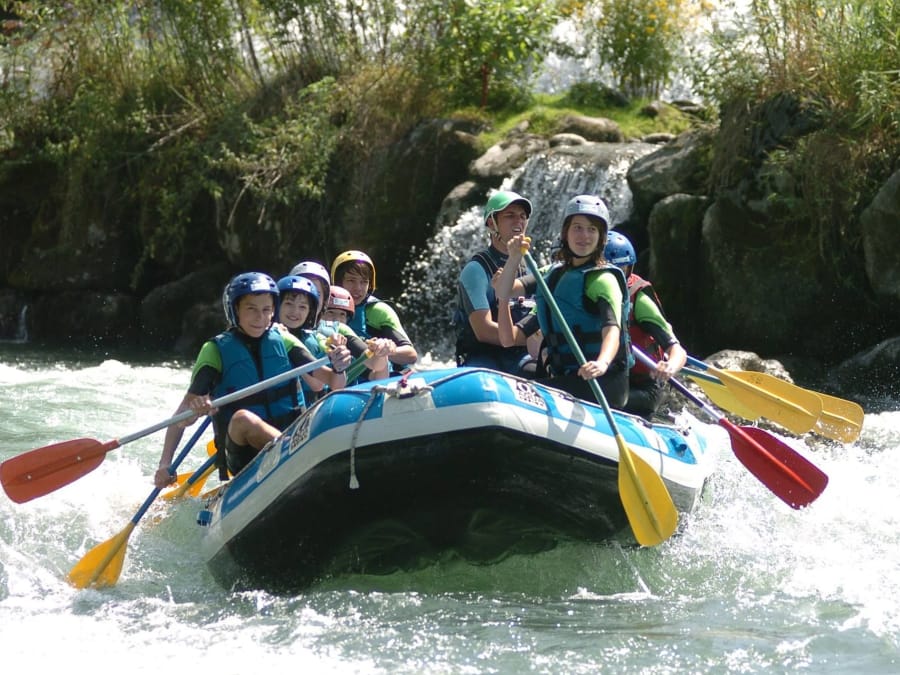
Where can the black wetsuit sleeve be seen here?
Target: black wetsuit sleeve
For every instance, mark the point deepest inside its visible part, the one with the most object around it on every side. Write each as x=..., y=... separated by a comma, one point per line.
x=204, y=381
x=663, y=338
x=356, y=345
x=300, y=356
x=530, y=284
x=399, y=338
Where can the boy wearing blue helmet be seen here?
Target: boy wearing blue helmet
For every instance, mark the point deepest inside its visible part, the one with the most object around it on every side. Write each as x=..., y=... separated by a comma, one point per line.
x=649, y=330
x=249, y=351
x=298, y=305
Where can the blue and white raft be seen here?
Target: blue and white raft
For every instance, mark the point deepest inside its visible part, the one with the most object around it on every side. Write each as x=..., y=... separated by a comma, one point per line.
x=466, y=462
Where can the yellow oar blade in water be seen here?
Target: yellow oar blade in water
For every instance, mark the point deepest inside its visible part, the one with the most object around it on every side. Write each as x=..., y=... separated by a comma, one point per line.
x=101, y=566
x=648, y=504
x=841, y=419
x=837, y=418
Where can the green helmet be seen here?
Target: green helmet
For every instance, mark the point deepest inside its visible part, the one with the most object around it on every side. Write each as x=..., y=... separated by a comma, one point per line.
x=500, y=200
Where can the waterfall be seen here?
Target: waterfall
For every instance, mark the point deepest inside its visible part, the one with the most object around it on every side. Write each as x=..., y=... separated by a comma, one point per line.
x=21, y=334
x=549, y=180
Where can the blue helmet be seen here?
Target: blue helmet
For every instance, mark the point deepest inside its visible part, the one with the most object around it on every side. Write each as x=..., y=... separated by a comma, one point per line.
x=587, y=205
x=619, y=250
x=248, y=283
x=297, y=284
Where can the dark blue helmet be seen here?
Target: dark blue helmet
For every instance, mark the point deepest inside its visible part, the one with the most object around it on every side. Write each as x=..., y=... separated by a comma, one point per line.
x=248, y=283
x=619, y=250
x=296, y=284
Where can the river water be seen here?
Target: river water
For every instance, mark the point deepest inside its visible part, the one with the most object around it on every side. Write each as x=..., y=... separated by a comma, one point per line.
x=749, y=585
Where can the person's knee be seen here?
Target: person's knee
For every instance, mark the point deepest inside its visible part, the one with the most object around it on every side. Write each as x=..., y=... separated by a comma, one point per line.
x=241, y=424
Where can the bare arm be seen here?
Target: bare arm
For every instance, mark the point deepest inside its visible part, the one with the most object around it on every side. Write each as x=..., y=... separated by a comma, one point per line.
x=200, y=405
x=503, y=282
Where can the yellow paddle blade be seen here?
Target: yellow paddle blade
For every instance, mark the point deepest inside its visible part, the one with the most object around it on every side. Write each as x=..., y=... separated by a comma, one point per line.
x=725, y=398
x=101, y=566
x=648, y=504
x=793, y=407
x=840, y=419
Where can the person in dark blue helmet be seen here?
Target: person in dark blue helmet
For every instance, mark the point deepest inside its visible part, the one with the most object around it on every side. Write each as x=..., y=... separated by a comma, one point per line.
x=298, y=307
x=649, y=331
x=250, y=350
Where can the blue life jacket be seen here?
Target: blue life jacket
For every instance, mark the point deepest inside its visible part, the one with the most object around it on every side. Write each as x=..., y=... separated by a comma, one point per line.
x=567, y=287
x=278, y=405
x=358, y=322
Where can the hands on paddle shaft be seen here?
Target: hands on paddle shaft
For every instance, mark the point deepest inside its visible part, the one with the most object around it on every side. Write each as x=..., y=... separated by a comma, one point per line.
x=41, y=471
x=790, y=476
x=647, y=503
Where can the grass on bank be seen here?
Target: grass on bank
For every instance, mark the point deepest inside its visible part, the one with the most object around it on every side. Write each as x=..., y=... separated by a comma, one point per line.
x=543, y=118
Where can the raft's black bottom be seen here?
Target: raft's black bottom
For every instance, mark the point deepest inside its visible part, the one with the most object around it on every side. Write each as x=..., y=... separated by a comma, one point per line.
x=480, y=495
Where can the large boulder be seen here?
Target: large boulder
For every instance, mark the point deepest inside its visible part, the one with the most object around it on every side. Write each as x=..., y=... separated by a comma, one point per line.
x=881, y=239
x=678, y=167
x=597, y=129
x=675, y=263
x=168, y=309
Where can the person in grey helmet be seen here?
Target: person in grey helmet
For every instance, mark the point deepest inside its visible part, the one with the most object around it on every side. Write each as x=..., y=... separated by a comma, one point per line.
x=593, y=299
x=478, y=344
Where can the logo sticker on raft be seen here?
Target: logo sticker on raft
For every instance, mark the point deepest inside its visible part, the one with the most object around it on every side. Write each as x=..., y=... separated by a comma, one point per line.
x=526, y=393
x=300, y=434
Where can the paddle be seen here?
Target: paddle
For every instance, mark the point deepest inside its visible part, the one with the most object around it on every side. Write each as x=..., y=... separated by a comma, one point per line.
x=798, y=412
x=193, y=478
x=102, y=565
x=193, y=485
x=790, y=476
x=648, y=504
x=41, y=471
x=838, y=418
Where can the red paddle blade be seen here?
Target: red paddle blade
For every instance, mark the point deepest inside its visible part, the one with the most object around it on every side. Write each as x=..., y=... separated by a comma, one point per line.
x=41, y=471
x=788, y=474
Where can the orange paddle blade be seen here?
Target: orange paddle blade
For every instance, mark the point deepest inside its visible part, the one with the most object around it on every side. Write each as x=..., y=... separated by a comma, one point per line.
x=41, y=471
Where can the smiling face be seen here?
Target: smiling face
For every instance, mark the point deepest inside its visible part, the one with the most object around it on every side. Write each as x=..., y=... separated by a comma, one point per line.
x=255, y=312
x=356, y=284
x=584, y=235
x=294, y=310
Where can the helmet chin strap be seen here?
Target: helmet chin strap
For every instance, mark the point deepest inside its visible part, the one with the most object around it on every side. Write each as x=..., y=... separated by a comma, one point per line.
x=494, y=228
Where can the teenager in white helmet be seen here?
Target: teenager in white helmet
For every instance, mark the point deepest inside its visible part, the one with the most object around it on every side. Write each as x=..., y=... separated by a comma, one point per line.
x=592, y=297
